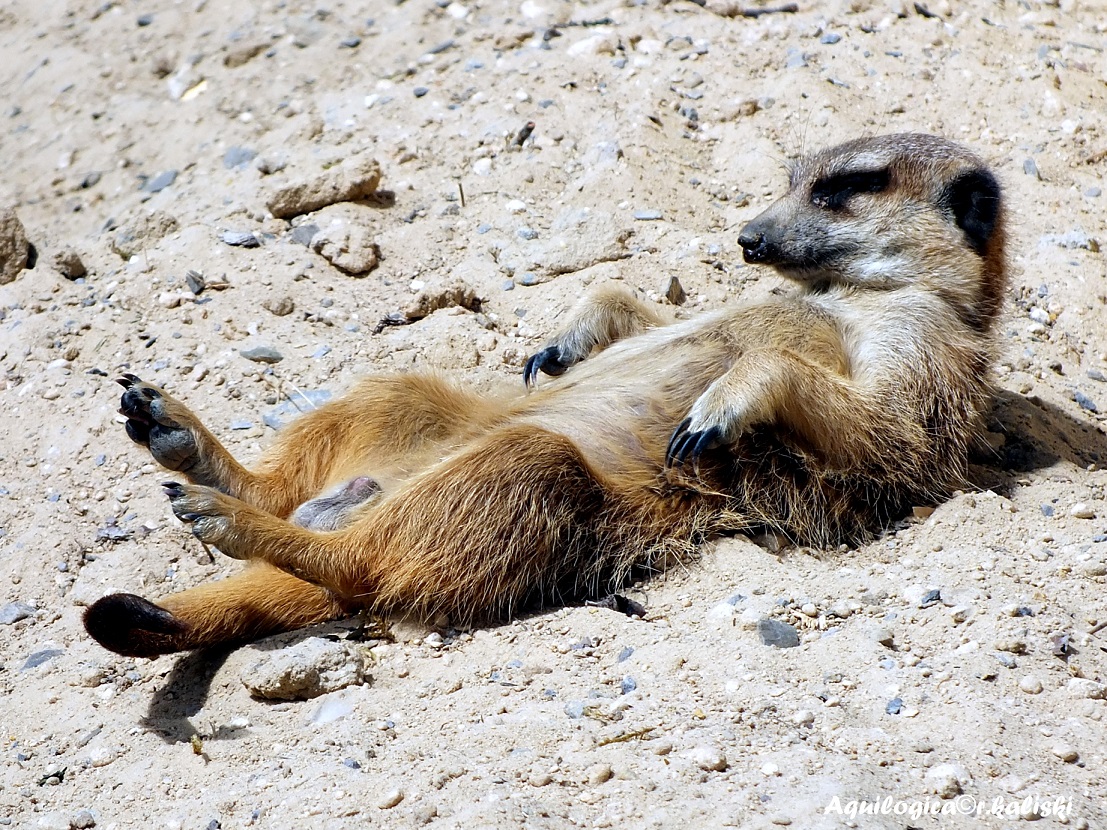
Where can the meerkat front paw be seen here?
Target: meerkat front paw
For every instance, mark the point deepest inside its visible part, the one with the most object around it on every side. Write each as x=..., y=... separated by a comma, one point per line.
x=155, y=420
x=549, y=360
x=209, y=513
x=715, y=419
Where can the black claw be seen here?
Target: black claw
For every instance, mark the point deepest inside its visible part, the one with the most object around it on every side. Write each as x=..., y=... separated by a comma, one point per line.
x=675, y=441
x=690, y=446
x=172, y=489
x=188, y=517
x=547, y=361
x=128, y=380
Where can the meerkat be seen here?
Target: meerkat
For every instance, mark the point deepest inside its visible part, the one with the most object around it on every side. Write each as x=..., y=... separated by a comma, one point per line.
x=822, y=413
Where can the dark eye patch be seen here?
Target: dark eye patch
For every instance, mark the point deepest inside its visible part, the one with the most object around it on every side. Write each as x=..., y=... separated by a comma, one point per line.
x=834, y=191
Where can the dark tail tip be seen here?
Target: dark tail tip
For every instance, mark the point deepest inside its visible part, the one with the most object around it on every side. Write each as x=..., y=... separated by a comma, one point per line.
x=134, y=627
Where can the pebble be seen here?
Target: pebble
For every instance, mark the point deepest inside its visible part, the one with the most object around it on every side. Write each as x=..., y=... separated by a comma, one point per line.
x=574, y=709
x=14, y=246
x=14, y=612
x=947, y=780
x=39, y=657
x=280, y=307
x=241, y=239
x=420, y=91
x=1080, y=687
x=709, y=758
x=894, y=706
x=67, y=262
x=1007, y=661
x=1030, y=168
x=649, y=215
x=830, y=38
x=527, y=233
x=804, y=717
x=777, y=634
x=303, y=670
x=1081, y=511
x=354, y=179
x=884, y=636
x=628, y=685
x=348, y=248
x=303, y=234
x=1084, y=402
x=598, y=774
x=390, y=799
x=351, y=42
x=674, y=292
x=1031, y=685
x=82, y=820
x=262, y=354
x=159, y=182
x=238, y=157
x=1066, y=752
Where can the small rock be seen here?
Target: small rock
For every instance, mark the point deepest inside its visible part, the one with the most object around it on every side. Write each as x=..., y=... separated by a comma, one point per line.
x=1066, y=752
x=241, y=239
x=1007, y=661
x=598, y=774
x=355, y=179
x=830, y=38
x=1014, y=645
x=674, y=291
x=574, y=709
x=68, y=263
x=947, y=780
x=527, y=233
x=777, y=634
x=348, y=248
x=280, y=307
x=930, y=598
x=804, y=717
x=894, y=706
x=1030, y=168
x=304, y=670
x=709, y=758
x=238, y=157
x=14, y=612
x=351, y=42
x=14, y=247
x=649, y=215
x=420, y=91
x=303, y=234
x=159, y=182
x=1080, y=687
x=628, y=685
x=390, y=799
x=1084, y=402
x=1031, y=685
x=884, y=636
x=82, y=820
x=540, y=779
x=1081, y=511
x=39, y=657
x=262, y=354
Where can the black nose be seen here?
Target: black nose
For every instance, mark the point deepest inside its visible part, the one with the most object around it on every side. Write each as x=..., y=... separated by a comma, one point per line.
x=755, y=248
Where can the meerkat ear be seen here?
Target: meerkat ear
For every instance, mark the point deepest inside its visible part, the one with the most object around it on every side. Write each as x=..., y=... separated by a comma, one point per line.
x=973, y=198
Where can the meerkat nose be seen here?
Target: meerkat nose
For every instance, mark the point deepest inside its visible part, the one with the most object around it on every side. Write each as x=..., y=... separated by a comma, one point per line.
x=755, y=247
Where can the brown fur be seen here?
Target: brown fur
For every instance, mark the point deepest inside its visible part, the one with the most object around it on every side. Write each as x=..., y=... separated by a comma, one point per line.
x=820, y=414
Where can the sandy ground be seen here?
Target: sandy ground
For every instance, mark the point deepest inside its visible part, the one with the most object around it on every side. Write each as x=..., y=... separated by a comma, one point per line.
x=138, y=134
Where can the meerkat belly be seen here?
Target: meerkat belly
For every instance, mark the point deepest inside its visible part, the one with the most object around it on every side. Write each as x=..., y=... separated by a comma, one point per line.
x=620, y=407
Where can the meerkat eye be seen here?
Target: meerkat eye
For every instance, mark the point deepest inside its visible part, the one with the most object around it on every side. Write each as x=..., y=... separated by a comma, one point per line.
x=834, y=191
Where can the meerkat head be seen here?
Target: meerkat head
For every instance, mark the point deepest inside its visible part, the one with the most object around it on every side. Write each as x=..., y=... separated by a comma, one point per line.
x=886, y=212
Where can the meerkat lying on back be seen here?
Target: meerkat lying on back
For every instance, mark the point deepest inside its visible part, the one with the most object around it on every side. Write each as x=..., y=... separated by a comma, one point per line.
x=822, y=413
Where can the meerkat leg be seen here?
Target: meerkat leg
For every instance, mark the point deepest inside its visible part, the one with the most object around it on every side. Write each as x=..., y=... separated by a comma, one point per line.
x=382, y=424
x=826, y=412
x=474, y=536
x=261, y=600
x=175, y=436
x=605, y=315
